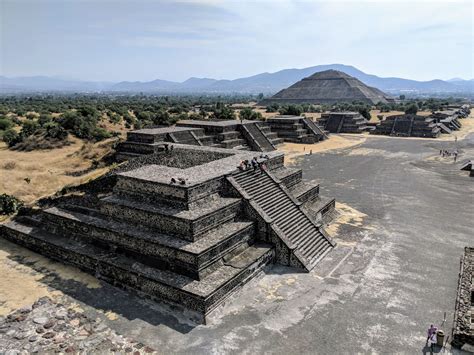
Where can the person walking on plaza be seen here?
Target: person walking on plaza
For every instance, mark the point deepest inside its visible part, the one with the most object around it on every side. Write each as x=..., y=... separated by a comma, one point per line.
x=431, y=337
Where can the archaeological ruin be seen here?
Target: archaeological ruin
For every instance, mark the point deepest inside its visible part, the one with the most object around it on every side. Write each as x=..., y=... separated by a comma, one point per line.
x=328, y=87
x=463, y=327
x=344, y=122
x=431, y=126
x=186, y=223
x=410, y=126
x=468, y=166
x=232, y=134
x=297, y=129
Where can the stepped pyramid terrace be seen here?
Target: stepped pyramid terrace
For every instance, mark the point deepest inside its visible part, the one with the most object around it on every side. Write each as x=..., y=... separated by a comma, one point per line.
x=344, y=122
x=449, y=119
x=410, y=126
x=184, y=225
x=256, y=136
x=297, y=129
x=328, y=87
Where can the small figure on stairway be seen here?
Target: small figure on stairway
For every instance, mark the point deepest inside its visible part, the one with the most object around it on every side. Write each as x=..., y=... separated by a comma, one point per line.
x=254, y=163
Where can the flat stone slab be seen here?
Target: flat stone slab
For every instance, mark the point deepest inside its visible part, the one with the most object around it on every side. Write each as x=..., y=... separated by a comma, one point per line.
x=162, y=130
x=195, y=175
x=196, y=123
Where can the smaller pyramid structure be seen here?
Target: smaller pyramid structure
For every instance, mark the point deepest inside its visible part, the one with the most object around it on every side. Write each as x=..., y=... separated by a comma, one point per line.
x=328, y=87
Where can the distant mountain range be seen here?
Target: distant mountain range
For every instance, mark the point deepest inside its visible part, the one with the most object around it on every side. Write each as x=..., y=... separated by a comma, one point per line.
x=267, y=83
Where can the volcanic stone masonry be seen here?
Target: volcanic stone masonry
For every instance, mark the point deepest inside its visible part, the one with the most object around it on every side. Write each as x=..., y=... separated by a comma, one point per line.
x=463, y=328
x=432, y=126
x=184, y=225
x=328, y=87
x=344, y=122
x=241, y=135
x=410, y=126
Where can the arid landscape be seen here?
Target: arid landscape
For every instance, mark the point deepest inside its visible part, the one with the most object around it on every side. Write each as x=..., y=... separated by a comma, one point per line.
x=236, y=177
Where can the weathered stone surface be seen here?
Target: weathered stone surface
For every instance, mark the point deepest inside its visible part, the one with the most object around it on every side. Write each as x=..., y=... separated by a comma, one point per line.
x=193, y=253
x=329, y=86
x=463, y=330
x=70, y=340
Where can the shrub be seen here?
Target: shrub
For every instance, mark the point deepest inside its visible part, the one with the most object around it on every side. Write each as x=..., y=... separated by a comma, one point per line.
x=273, y=108
x=9, y=204
x=29, y=128
x=99, y=134
x=44, y=119
x=249, y=114
x=293, y=110
x=11, y=137
x=55, y=131
x=5, y=124
x=411, y=109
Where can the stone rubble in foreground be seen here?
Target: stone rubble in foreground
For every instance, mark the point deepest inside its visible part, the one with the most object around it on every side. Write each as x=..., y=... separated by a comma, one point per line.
x=50, y=327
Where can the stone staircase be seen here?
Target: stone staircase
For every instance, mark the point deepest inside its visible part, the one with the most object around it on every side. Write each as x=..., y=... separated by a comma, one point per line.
x=312, y=126
x=256, y=138
x=185, y=137
x=193, y=255
x=271, y=136
x=310, y=242
x=293, y=129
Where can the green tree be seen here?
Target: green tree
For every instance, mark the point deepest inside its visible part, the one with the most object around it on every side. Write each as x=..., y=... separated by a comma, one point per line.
x=11, y=137
x=293, y=110
x=248, y=114
x=411, y=109
x=5, y=124
x=365, y=112
x=29, y=127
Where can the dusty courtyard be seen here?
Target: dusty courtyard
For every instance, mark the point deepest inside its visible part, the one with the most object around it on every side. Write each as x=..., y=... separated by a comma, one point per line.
x=406, y=215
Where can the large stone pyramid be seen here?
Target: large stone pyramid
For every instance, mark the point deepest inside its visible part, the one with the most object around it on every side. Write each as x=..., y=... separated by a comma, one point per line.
x=328, y=87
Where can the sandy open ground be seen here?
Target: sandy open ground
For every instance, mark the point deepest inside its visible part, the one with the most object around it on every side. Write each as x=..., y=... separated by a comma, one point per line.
x=294, y=150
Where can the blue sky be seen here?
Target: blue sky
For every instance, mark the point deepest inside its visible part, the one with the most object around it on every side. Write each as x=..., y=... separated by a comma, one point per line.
x=145, y=40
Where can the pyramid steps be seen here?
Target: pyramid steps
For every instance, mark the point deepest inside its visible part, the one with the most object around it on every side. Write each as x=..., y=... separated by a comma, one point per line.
x=194, y=259
x=308, y=240
x=201, y=296
x=305, y=191
x=186, y=224
x=288, y=176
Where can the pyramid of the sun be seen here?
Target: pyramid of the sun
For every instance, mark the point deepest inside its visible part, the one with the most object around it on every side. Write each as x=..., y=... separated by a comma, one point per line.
x=328, y=87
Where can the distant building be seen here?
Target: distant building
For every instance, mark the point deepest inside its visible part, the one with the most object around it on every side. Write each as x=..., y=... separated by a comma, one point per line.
x=328, y=87
x=344, y=122
x=410, y=126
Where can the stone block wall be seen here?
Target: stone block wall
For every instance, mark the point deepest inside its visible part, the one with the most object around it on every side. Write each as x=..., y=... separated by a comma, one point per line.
x=463, y=332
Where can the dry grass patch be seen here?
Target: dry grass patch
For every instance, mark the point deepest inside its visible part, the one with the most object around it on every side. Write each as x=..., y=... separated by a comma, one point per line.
x=30, y=176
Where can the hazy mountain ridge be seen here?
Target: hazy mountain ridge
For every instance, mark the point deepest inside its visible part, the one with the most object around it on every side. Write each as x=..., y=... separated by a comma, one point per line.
x=264, y=82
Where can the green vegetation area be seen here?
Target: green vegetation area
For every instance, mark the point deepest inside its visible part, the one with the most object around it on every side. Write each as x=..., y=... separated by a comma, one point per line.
x=45, y=121
x=52, y=118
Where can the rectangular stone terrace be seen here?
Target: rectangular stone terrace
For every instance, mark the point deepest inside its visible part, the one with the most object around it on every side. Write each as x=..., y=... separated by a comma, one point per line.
x=186, y=226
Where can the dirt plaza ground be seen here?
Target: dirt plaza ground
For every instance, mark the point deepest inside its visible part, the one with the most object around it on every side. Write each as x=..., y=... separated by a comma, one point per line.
x=405, y=217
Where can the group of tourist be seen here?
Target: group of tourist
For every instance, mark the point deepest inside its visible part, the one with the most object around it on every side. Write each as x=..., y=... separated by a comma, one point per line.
x=446, y=153
x=255, y=163
x=168, y=147
x=180, y=181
